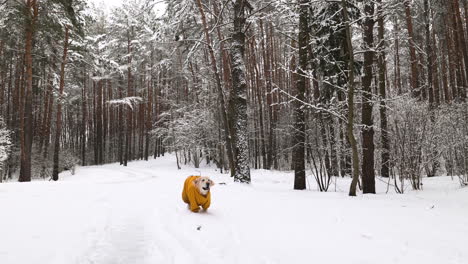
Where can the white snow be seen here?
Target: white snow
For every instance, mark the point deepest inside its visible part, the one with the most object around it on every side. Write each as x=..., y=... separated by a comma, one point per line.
x=135, y=214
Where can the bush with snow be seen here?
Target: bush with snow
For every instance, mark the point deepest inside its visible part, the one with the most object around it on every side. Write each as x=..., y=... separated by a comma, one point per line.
x=5, y=146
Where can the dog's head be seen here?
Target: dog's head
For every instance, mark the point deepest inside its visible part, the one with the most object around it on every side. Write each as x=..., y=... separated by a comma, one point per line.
x=203, y=184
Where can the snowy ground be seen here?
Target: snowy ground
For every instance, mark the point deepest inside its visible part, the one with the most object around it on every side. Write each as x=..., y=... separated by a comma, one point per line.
x=115, y=215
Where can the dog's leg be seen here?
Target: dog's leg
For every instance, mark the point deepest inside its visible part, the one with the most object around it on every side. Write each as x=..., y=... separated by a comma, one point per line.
x=194, y=207
x=207, y=204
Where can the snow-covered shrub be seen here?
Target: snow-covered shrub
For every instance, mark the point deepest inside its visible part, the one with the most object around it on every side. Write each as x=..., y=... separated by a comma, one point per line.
x=427, y=140
x=68, y=161
x=409, y=125
x=454, y=141
x=318, y=157
x=5, y=146
x=191, y=129
x=41, y=167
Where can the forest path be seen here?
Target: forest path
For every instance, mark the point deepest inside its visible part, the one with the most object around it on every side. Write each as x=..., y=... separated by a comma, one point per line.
x=112, y=214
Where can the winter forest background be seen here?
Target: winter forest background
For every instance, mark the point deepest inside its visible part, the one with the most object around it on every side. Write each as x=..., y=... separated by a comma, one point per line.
x=362, y=89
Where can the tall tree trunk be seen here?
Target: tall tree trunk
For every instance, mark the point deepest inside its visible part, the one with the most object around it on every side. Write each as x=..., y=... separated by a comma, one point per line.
x=435, y=67
x=47, y=93
x=129, y=123
x=385, y=155
x=219, y=89
x=84, y=119
x=415, y=87
x=27, y=128
x=239, y=95
x=267, y=76
x=459, y=50
x=396, y=67
x=350, y=124
x=445, y=78
x=48, y=121
x=429, y=61
x=259, y=92
x=451, y=54
x=99, y=123
x=149, y=112
x=461, y=38
x=122, y=129
x=58, y=127
x=368, y=173
x=299, y=112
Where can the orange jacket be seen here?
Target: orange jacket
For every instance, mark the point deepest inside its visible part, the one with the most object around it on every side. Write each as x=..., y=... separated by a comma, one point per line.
x=192, y=196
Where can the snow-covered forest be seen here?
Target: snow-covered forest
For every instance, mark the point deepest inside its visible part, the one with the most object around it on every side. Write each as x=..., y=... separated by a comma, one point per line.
x=239, y=84
x=348, y=96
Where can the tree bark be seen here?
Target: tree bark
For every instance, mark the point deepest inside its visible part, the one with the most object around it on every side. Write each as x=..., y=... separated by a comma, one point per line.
x=238, y=98
x=429, y=61
x=350, y=124
x=99, y=123
x=58, y=128
x=415, y=86
x=149, y=109
x=129, y=123
x=385, y=155
x=462, y=42
x=368, y=174
x=299, y=112
x=396, y=67
x=435, y=68
x=84, y=119
x=27, y=128
x=258, y=93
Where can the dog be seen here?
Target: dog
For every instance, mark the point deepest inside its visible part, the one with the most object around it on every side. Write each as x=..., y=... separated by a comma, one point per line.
x=196, y=192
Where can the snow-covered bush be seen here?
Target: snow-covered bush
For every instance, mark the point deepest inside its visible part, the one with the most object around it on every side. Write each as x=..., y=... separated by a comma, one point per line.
x=41, y=166
x=454, y=142
x=318, y=157
x=5, y=146
x=68, y=161
x=434, y=141
x=409, y=127
x=192, y=130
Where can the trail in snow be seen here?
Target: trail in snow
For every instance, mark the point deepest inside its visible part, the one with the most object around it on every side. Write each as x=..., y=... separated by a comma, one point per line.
x=121, y=215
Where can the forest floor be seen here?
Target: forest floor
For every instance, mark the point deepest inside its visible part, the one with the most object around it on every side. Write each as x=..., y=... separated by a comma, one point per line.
x=123, y=215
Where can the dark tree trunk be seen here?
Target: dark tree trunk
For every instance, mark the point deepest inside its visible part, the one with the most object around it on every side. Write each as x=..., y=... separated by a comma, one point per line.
x=47, y=93
x=429, y=61
x=451, y=59
x=435, y=68
x=129, y=123
x=462, y=42
x=350, y=124
x=149, y=110
x=122, y=129
x=396, y=63
x=84, y=119
x=385, y=156
x=58, y=127
x=299, y=112
x=415, y=87
x=99, y=123
x=258, y=92
x=368, y=174
x=27, y=128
